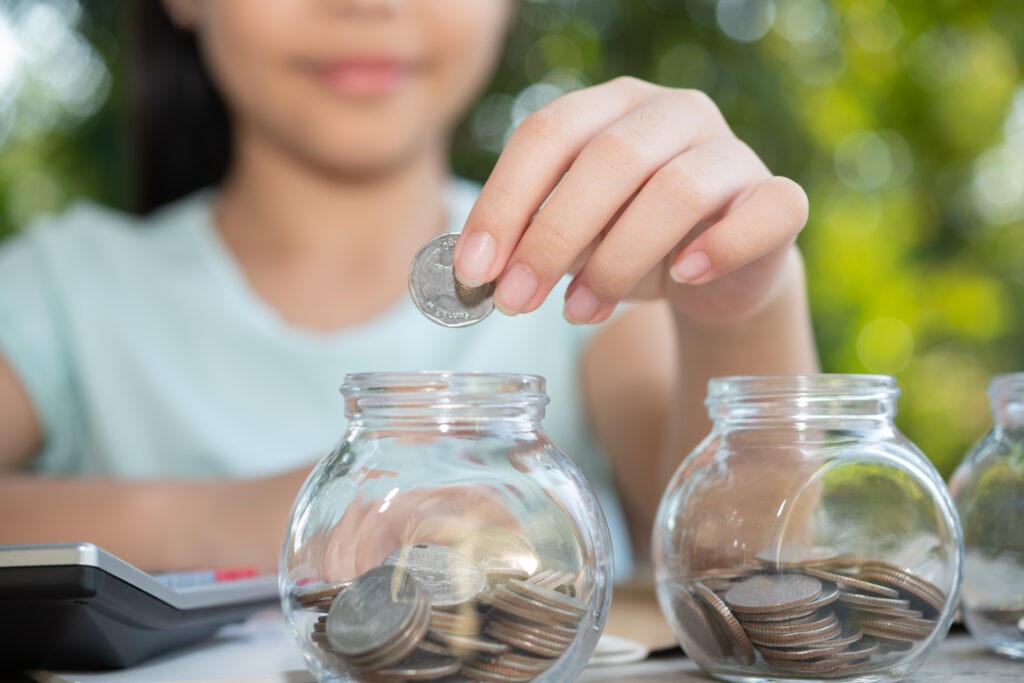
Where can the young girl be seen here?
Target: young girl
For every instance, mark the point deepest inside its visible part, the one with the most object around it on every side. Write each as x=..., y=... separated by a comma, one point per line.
x=167, y=381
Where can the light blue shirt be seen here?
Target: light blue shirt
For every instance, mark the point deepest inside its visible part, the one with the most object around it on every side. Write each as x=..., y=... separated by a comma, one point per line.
x=146, y=353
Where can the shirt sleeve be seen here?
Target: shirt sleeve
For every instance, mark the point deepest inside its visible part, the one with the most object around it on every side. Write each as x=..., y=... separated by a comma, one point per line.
x=33, y=343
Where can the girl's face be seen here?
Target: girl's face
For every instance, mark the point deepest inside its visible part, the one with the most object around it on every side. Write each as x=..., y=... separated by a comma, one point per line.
x=350, y=86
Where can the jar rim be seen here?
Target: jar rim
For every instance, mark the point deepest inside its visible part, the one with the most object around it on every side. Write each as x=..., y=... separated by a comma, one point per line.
x=823, y=396
x=443, y=392
x=1006, y=385
x=844, y=385
x=448, y=381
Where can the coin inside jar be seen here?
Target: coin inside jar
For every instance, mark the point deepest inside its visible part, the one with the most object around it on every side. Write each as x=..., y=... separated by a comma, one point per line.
x=811, y=616
x=366, y=616
x=773, y=593
x=448, y=576
x=438, y=294
x=432, y=613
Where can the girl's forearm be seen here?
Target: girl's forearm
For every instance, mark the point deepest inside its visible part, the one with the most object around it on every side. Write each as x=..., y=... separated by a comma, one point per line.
x=155, y=525
x=777, y=340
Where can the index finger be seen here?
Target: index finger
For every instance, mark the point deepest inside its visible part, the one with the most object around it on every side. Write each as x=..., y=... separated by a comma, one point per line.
x=545, y=144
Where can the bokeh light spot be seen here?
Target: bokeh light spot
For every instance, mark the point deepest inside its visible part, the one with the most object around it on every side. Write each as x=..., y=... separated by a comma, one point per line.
x=745, y=20
x=874, y=25
x=885, y=346
x=974, y=306
x=871, y=160
x=801, y=21
x=997, y=187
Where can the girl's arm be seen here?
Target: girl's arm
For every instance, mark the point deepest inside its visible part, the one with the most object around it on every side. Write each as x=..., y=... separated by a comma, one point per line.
x=646, y=379
x=155, y=525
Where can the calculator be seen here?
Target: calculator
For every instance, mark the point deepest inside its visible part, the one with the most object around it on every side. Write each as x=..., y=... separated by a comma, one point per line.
x=76, y=606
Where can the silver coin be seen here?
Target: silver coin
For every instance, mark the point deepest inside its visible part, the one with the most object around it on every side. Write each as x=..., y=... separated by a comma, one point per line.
x=796, y=556
x=494, y=548
x=523, y=642
x=773, y=593
x=373, y=611
x=727, y=623
x=437, y=293
x=449, y=577
x=420, y=666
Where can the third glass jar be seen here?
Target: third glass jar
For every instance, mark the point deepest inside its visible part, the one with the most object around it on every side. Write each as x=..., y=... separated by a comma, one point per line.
x=806, y=537
x=988, y=488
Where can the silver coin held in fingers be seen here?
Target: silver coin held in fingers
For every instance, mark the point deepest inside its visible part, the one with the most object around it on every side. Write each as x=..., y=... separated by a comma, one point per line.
x=436, y=292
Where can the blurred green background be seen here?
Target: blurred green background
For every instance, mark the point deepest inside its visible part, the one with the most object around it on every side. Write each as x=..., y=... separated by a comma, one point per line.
x=904, y=122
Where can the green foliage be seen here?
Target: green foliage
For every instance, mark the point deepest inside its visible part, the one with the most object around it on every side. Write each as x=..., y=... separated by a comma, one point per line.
x=903, y=121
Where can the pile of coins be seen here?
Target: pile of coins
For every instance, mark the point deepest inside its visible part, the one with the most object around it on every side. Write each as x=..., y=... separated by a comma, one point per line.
x=807, y=611
x=429, y=613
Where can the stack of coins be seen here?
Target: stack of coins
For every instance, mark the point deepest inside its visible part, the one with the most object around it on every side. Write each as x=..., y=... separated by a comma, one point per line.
x=807, y=611
x=430, y=613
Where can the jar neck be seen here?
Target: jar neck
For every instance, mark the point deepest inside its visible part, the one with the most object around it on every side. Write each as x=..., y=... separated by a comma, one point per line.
x=1006, y=396
x=825, y=400
x=430, y=399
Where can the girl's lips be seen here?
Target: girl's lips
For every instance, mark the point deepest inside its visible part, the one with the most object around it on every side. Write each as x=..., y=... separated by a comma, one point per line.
x=366, y=77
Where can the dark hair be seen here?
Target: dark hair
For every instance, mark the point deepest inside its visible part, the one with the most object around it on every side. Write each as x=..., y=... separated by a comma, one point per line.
x=181, y=135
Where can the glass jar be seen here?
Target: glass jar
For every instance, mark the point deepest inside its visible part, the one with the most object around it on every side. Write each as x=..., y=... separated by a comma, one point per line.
x=988, y=488
x=806, y=537
x=446, y=537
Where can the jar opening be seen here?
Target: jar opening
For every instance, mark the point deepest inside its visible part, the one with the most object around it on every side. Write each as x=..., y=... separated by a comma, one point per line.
x=802, y=397
x=433, y=393
x=1006, y=395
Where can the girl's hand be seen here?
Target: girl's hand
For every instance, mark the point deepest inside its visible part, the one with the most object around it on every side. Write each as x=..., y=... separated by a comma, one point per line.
x=646, y=193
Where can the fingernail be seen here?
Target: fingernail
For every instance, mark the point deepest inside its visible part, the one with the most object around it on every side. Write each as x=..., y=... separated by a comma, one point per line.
x=581, y=306
x=515, y=289
x=475, y=258
x=691, y=267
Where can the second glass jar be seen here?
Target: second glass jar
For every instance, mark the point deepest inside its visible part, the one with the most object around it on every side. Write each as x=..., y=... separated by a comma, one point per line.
x=806, y=537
